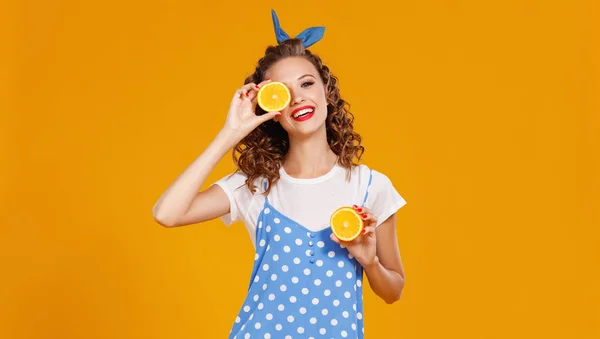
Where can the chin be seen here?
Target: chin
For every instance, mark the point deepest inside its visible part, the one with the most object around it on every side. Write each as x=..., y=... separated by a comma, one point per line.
x=306, y=128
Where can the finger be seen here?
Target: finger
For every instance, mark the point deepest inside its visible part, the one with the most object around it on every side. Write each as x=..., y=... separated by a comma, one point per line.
x=249, y=86
x=245, y=90
x=253, y=91
x=365, y=213
x=252, y=94
x=238, y=95
x=368, y=218
x=253, y=100
x=268, y=116
x=248, y=97
x=263, y=82
x=361, y=209
x=368, y=230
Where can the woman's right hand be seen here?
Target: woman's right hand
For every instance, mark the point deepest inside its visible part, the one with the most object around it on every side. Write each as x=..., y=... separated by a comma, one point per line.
x=183, y=203
x=241, y=118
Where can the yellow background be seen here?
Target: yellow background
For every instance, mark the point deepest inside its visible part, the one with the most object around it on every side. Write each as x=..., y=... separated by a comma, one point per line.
x=485, y=115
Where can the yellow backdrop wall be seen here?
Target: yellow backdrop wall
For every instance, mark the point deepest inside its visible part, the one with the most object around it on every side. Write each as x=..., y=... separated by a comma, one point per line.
x=485, y=115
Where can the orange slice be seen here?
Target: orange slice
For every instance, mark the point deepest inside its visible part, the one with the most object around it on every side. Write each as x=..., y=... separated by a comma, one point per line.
x=273, y=96
x=346, y=223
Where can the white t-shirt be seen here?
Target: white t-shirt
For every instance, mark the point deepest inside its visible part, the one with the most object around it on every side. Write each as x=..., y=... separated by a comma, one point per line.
x=310, y=202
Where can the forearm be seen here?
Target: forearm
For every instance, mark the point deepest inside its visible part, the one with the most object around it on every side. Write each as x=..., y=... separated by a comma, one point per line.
x=387, y=284
x=177, y=199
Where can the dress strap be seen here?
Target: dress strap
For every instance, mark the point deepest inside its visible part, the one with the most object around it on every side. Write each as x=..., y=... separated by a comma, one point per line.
x=368, y=186
x=265, y=189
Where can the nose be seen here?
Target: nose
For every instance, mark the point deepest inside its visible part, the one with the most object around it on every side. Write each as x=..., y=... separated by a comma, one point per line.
x=296, y=98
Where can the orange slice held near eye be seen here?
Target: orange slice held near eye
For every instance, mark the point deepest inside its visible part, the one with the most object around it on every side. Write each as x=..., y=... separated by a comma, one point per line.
x=273, y=97
x=346, y=223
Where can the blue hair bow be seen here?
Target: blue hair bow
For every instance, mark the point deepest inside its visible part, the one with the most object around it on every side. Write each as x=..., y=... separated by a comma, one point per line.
x=308, y=36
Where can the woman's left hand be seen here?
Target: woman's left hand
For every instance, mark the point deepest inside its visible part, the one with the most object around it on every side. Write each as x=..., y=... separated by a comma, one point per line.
x=363, y=248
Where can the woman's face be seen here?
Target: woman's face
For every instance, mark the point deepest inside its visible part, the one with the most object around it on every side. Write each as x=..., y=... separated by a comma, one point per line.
x=307, y=110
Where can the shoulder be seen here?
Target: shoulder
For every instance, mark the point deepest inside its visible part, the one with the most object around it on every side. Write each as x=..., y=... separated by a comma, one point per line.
x=383, y=198
x=242, y=201
x=372, y=175
x=378, y=184
x=237, y=181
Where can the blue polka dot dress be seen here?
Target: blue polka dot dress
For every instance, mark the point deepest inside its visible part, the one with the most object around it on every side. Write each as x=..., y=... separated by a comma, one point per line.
x=303, y=285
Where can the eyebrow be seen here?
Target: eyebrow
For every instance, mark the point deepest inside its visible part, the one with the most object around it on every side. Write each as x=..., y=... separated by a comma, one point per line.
x=306, y=75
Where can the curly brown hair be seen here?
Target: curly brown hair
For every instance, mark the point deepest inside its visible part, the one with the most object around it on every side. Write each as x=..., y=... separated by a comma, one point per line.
x=261, y=153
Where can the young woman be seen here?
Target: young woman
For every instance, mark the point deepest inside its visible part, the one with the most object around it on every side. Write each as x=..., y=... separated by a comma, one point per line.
x=296, y=167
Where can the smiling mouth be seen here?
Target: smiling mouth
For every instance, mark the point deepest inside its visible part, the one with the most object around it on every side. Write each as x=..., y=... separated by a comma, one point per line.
x=303, y=113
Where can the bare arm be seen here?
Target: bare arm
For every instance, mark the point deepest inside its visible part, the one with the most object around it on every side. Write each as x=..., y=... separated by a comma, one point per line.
x=182, y=204
x=386, y=273
x=377, y=251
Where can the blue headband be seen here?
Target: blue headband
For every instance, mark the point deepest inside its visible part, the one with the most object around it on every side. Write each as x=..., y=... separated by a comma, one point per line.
x=308, y=36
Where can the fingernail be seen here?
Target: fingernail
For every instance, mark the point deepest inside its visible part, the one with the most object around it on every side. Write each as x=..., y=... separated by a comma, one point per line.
x=246, y=93
x=267, y=79
x=277, y=114
x=363, y=231
x=354, y=206
x=364, y=216
x=359, y=210
x=256, y=86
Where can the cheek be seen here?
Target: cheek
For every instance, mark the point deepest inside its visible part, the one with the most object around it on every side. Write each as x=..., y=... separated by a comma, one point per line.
x=321, y=98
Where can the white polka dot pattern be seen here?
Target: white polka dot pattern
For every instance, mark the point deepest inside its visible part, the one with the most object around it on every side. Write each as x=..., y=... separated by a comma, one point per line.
x=303, y=285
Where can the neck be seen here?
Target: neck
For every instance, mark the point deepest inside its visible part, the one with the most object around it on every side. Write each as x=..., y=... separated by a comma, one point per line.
x=309, y=157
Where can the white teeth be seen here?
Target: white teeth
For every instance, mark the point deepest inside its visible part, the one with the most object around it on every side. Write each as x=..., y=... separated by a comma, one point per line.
x=302, y=112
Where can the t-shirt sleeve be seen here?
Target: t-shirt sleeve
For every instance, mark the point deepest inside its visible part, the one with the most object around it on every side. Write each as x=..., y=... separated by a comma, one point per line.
x=239, y=196
x=383, y=200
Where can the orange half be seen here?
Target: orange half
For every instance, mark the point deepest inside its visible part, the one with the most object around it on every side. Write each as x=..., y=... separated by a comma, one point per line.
x=346, y=223
x=273, y=96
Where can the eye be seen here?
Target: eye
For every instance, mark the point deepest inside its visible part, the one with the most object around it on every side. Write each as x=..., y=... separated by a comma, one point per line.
x=307, y=84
